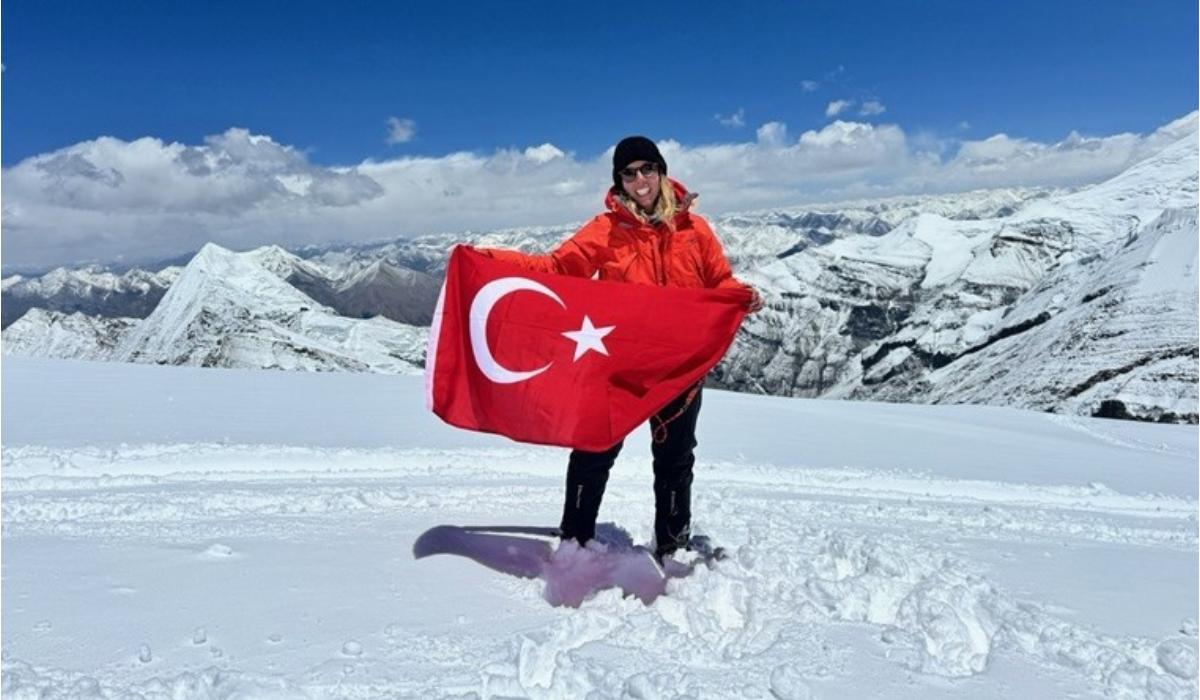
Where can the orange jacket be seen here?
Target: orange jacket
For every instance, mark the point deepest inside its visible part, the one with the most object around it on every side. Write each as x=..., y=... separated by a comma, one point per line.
x=616, y=246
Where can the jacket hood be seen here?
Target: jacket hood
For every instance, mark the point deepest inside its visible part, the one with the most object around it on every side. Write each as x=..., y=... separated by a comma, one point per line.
x=682, y=195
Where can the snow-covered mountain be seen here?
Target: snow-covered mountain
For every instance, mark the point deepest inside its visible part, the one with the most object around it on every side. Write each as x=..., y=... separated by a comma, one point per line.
x=89, y=290
x=1120, y=342
x=227, y=310
x=399, y=279
x=1082, y=302
x=398, y=293
x=429, y=254
x=284, y=264
x=752, y=239
x=77, y=336
x=234, y=310
x=1070, y=301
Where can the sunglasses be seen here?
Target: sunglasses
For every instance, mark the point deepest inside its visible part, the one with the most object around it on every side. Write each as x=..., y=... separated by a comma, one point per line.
x=646, y=169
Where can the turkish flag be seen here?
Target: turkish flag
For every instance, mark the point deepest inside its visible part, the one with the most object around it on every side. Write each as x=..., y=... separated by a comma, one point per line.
x=568, y=361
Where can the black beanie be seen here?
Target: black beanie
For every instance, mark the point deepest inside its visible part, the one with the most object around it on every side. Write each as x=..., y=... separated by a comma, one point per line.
x=632, y=149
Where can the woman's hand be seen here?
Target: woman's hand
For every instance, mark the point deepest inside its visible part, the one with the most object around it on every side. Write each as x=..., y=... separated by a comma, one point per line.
x=756, y=301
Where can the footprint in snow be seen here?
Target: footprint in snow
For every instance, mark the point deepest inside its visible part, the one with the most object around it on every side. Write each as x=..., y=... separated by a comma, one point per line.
x=788, y=683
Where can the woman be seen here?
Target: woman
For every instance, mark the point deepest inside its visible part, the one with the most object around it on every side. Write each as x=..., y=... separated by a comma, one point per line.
x=648, y=236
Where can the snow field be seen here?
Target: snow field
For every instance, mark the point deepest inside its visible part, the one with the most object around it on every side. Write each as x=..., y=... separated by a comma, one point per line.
x=184, y=564
x=886, y=565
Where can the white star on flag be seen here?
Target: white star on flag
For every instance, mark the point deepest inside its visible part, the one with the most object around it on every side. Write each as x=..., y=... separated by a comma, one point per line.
x=588, y=337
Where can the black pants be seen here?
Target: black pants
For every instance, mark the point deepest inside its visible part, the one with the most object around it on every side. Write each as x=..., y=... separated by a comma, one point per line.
x=587, y=474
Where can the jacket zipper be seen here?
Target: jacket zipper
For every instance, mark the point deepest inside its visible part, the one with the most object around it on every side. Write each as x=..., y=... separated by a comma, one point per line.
x=662, y=258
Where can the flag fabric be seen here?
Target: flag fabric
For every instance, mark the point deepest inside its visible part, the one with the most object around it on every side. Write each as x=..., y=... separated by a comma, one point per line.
x=558, y=360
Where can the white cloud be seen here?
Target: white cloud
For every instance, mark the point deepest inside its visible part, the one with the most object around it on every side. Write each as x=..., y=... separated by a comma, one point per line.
x=964, y=125
x=400, y=130
x=872, y=108
x=809, y=85
x=1001, y=157
x=837, y=107
x=149, y=199
x=735, y=121
x=544, y=153
x=772, y=135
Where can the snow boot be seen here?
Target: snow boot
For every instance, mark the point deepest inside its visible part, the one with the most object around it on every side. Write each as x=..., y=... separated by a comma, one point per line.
x=672, y=514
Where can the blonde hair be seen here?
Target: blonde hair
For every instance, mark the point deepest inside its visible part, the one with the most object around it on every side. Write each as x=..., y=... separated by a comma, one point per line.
x=664, y=209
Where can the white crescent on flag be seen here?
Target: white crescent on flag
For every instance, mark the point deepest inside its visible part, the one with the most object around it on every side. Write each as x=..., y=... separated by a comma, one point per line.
x=588, y=337
x=481, y=307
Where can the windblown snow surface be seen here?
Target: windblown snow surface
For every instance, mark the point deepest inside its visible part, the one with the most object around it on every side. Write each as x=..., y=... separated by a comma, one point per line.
x=175, y=532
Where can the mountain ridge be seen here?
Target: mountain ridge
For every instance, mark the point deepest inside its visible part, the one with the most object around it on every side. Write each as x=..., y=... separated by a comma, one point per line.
x=902, y=299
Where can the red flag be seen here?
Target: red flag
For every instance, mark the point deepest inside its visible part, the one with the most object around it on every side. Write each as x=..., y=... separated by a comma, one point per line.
x=567, y=361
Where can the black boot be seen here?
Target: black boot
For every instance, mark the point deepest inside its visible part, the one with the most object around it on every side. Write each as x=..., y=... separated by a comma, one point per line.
x=672, y=514
x=587, y=475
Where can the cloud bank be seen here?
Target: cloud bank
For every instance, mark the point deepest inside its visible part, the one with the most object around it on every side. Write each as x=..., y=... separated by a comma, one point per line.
x=113, y=200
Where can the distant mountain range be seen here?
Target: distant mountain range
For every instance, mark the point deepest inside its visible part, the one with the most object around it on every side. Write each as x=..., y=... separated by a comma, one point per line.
x=91, y=290
x=233, y=310
x=1081, y=302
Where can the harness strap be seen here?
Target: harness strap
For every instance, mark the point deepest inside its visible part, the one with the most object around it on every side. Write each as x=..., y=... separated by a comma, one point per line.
x=660, y=430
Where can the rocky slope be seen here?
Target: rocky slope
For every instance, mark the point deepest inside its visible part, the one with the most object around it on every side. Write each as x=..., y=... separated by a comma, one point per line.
x=1082, y=303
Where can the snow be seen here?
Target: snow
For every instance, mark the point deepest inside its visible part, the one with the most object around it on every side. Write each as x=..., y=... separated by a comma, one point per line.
x=179, y=532
x=233, y=310
x=53, y=334
x=1135, y=314
x=1079, y=303
x=1170, y=264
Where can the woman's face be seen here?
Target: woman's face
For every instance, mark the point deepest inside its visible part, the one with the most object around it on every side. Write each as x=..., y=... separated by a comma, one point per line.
x=644, y=185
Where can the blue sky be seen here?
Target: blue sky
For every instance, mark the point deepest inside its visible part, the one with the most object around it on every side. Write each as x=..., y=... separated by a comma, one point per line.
x=325, y=77
x=141, y=130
